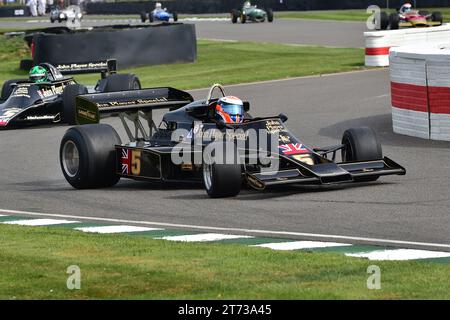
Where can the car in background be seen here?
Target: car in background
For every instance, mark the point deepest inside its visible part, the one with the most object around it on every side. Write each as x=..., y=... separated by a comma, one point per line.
x=23, y=102
x=72, y=14
x=251, y=13
x=159, y=14
x=407, y=17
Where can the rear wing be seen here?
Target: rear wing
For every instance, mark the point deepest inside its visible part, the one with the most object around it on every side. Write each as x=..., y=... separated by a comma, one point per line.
x=104, y=67
x=90, y=107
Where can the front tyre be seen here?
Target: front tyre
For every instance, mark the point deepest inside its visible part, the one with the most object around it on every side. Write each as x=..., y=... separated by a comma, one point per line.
x=361, y=144
x=175, y=16
x=143, y=16
x=88, y=157
x=221, y=178
x=69, y=102
x=243, y=17
x=122, y=82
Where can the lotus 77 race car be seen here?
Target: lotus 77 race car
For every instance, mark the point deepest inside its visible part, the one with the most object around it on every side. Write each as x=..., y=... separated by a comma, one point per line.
x=191, y=145
x=251, y=13
x=23, y=102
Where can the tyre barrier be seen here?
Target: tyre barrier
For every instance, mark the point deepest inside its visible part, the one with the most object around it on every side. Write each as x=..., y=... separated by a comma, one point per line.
x=420, y=91
x=130, y=45
x=378, y=43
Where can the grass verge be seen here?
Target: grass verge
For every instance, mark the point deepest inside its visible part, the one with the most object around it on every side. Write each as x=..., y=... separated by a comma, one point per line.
x=223, y=62
x=34, y=263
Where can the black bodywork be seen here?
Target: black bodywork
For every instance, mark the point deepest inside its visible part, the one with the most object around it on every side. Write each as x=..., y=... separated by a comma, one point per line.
x=148, y=154
x=35, y=103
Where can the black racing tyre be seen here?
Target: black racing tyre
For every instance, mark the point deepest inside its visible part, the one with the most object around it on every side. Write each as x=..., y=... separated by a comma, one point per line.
x=69, y=107
x=234, y=15
x=52, y=20
x=175, y=16
x=150, y=17
x=143, y=16
x=437, y=17
x=361, y=144
x=26, y=64
x=88, y=157
x=243, y=17
x=383, y=23
x=394, y=21
x=122, y=82
x=224, y=178
x=269, y=15
x=7, y=89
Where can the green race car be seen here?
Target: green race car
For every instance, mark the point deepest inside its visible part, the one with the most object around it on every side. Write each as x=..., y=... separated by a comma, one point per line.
x=251, y=13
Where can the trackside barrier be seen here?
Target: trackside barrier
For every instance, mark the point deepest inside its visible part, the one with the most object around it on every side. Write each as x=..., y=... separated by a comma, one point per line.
x=420, y=91
x=378, y=43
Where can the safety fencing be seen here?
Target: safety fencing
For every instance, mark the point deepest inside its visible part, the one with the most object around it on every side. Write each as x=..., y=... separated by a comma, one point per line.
x=378, y=43
x=420, y=91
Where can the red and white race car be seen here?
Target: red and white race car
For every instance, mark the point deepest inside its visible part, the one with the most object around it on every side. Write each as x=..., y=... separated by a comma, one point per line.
x=408, y=17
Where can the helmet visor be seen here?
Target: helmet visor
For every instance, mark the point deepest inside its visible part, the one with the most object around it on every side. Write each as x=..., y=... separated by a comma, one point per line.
x=233, y=109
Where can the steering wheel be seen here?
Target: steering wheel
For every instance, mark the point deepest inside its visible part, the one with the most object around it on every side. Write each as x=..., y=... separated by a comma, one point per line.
x=214, y=86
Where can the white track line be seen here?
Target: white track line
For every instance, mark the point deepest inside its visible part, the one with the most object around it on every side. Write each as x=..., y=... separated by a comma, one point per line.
x=400, y=254
x=116, y=229
x=203, y=237
x=3, y=215
x=298, y=245
x=231, y=230
x=38, y=222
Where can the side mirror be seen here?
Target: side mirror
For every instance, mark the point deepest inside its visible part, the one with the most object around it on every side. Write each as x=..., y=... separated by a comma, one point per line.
x=246, y=106
x=283, y=117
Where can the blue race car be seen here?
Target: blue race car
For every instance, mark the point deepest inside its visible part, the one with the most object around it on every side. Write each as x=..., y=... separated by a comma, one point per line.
x=159, y=14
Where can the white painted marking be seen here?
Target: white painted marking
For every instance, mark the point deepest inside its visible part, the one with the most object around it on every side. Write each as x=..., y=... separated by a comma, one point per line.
x=297, y=245
x=39, y=222
x=237, y=230
x=203, y=237
x=3, y=215
x=400, y=254
x=116, y=229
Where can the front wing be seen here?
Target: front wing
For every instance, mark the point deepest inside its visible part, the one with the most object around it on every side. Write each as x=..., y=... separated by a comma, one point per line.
x=326, y=174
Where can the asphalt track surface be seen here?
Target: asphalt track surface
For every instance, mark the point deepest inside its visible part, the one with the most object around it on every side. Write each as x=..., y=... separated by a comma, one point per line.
x=286, y=31
x=413, y=208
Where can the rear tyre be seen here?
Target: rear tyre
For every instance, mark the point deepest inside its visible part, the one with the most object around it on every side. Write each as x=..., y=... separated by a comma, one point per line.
x=361, y=144
x=437, y=17
x=394, y=21
x=88, y=157
x=143, y=17
x=269, y=15
x=234, y=15
x=122, y=82
x=7, y=89
x=69, y=106
x=175, y=16
x=150, y=17
x=243, y=17
x=222, y=180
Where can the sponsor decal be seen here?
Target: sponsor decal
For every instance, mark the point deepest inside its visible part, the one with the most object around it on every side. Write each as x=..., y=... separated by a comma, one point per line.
x=305, y=158
x=82, y=66
x=130, y=103
x=293, y=148
x=21, y=91
x=274, y=126
x=131, y=162
x=43, y=117
x=87, y=114
x=51, y=91
x=284, y=138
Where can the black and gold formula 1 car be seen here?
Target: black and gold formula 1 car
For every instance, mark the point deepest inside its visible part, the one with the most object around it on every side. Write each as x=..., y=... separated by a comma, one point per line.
x=191, y=145
x=23, y=102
